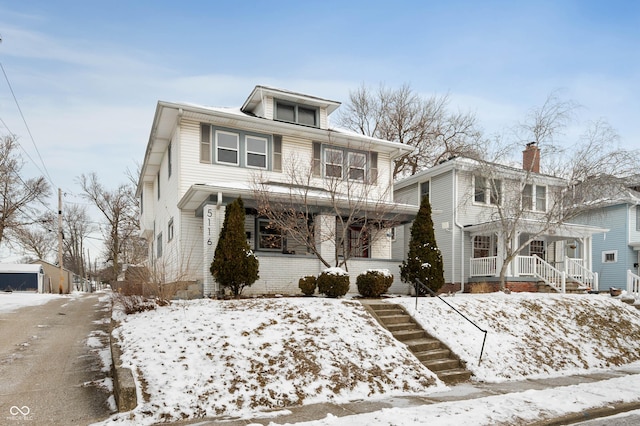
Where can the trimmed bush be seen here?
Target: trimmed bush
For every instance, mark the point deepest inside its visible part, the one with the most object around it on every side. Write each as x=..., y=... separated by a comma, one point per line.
x=374, y=282
x=333, y=282
x=308, y=285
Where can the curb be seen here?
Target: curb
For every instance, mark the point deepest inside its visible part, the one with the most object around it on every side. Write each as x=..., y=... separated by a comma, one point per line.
x=590, y=414
x=124, y=386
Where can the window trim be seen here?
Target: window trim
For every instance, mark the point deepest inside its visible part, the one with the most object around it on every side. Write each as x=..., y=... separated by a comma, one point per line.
x=264, y=220
x=328, y=150
x=605, y=253
x=351, y=167
x=205, y=144
x=170, y=230
x=296, y=114
x=159, y=246
x=247, y=151
x=490, y=192
x=237, y=150
x=533, y=204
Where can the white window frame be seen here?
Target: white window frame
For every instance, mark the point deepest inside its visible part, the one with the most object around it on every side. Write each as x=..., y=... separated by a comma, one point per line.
x=535, y=204
x=357, y=165
x=159, y=246
x=328, y=156
x=607, y=253
x=237, y=148
x=262, y=154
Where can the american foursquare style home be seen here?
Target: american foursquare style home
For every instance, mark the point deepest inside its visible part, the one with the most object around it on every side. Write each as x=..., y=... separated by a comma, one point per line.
x=199, y=159
x=483, y=212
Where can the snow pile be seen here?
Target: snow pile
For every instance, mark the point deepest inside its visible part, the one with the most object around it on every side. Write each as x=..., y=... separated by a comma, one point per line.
x=10, y=302
x=241, y=357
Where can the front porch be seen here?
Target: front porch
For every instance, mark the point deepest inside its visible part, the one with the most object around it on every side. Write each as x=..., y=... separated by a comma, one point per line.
x=558, y=255
x=535, y=269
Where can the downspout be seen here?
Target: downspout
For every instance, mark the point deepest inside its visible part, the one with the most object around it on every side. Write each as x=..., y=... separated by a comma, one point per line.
x=457, y=225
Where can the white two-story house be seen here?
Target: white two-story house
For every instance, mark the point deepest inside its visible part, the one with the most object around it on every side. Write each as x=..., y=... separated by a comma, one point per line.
x=487, y=215
x=199, y=159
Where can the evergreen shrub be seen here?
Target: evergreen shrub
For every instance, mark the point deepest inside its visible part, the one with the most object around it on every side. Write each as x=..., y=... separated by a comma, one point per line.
x=374, y=282
x=308, y=285
x=333, y=282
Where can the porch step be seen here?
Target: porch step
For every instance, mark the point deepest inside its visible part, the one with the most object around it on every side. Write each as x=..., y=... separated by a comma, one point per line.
x=431, y=352
x=570, y=287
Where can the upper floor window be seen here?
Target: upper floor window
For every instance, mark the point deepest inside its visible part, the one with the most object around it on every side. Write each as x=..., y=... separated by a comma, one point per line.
x=170, y=230
x=487, y=191
x=333, y=160
x=534, y=197
x=159, y=245
x=341, y=163
x=294, y=113
x=424, y=190
x=240, y=148
x=227, y=147
x=357, y=165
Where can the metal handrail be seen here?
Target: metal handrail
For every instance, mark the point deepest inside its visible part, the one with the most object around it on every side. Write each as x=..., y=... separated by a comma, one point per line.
x=423, y=285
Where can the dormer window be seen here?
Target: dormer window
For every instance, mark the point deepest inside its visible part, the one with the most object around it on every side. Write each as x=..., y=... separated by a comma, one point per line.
x=294, y=113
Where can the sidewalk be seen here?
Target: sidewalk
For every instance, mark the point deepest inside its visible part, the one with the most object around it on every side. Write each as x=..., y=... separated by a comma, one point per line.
x=467, y=393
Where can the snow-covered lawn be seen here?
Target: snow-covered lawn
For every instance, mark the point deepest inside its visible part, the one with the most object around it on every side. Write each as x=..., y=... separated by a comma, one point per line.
x=240, y=358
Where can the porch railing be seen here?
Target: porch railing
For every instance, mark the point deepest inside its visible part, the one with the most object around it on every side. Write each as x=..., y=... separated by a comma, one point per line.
x=535, y=266
x=576, y=270
x=484, y=266
x=633, y=284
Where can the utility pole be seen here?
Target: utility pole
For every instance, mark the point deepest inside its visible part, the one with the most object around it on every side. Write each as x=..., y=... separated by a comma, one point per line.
x=61, y=286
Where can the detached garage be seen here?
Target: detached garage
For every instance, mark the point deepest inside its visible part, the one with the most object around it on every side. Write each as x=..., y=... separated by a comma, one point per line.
x=19, y=277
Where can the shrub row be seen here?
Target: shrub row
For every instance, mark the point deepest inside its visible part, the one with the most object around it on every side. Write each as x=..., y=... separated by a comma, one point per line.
x=334, y=282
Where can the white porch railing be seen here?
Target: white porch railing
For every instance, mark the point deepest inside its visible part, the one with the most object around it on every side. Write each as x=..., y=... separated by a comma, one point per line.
x=484, y=266
x=535, y=266
x=633, y=284
x=576, y=271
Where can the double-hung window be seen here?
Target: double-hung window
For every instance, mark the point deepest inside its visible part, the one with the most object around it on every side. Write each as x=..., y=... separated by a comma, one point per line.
x=227, y=147
x=357, y=165
x=479, y=190
x=256, y=152
x=541, y=198
x=333, y=162
x=534, y=197
x=159, y=245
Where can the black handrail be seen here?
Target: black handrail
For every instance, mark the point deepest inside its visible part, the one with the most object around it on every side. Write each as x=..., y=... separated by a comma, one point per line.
x=424, y=286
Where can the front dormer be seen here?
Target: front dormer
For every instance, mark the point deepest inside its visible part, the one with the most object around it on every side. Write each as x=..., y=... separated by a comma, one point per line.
x=289, y=107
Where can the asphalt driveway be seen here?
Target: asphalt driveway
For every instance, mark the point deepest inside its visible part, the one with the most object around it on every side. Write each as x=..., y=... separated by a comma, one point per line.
x=50, y=367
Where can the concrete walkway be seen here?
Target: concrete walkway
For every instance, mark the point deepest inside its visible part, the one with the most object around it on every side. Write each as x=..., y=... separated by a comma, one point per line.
x=463, y=391
x=48, y=374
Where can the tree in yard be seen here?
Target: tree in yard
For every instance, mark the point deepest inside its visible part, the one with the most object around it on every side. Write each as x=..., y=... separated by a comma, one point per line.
x=18, y=196
x=119, y=208
x=401, y=115
x=39, y=240
x=76, y=227
x=578, y=177
x=424, y=260
x=296, y=207
x=234, y=264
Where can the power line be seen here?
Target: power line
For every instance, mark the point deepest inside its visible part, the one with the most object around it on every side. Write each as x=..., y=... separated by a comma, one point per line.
x=15, y=99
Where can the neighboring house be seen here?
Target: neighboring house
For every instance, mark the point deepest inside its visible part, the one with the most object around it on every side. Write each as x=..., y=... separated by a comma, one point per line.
x=51, y=279
x=474, y=234
x=21, y=277
x=199, y=159
x=618, y=251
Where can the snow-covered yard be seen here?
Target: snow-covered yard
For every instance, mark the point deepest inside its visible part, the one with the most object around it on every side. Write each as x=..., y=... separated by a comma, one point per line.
x=240, y=358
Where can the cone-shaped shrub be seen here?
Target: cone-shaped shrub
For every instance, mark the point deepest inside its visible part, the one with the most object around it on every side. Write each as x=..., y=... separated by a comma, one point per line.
x=234, y=264
x=424, y=260
x=333, y=282
x=374, y=282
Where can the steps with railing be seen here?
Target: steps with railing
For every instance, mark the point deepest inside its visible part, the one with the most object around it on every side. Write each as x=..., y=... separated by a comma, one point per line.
x=433, y=354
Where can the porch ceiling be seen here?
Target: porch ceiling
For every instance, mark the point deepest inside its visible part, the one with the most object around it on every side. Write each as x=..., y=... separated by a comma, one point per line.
x=318, y=199
x=560, y=230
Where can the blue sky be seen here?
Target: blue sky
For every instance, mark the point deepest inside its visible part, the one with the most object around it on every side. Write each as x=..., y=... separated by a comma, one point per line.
x=88, y=74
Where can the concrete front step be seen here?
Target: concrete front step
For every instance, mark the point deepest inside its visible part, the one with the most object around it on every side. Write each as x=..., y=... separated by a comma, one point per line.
x=395, y=319
x=423, y=345
x=432, y=354
x=442, y=364
x=405, y=326
x=406, y=335
x=456, y=375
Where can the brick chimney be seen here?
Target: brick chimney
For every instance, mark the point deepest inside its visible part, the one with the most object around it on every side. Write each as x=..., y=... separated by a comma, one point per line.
x=531, y=158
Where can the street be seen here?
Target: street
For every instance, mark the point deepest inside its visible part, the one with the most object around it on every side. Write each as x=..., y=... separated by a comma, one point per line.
x=49, y=375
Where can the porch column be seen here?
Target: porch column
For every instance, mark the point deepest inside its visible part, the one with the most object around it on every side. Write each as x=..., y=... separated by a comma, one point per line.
x=212, y=220
x=501, y=250
x=587, y=255
x=325, y=235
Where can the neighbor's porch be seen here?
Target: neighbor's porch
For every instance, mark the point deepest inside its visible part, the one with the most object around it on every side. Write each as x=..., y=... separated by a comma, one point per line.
x=559, y=256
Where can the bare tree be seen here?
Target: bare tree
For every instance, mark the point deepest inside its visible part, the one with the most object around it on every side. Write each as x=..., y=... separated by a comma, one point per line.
x=18, y=196
x=294, y=208
x=403, y=116
x=580, y=176
x=120, y=211
x=38, y=239
x=76, y=227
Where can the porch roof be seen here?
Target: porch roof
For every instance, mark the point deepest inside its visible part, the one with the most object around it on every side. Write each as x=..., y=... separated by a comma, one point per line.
x=557, y=230
x=317, y=199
